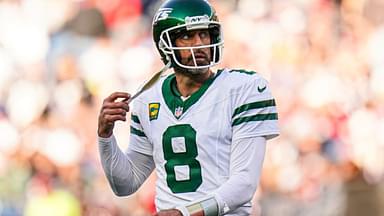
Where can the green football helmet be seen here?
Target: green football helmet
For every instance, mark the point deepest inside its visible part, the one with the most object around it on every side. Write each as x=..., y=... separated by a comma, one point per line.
x=177, y=16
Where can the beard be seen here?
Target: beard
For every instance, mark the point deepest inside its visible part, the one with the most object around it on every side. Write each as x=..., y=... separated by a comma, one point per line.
x=202, y=59
x=198, y=71
x=190, y=71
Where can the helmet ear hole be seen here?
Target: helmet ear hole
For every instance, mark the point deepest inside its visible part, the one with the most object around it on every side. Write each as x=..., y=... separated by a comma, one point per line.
x=164, y=52
x=164, y=48
x=162, y=45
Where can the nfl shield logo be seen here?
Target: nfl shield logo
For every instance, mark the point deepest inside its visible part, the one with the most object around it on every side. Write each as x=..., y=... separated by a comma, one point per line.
x=178, y=111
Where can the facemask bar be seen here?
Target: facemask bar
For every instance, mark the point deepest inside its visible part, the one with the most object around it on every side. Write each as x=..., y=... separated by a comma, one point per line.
x=166, y=46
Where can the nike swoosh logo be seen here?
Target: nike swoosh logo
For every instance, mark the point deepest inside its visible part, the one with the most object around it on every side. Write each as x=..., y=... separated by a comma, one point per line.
x=261, y=89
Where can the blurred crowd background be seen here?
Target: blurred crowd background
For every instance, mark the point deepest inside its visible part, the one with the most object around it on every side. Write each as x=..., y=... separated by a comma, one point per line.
x=324, y=60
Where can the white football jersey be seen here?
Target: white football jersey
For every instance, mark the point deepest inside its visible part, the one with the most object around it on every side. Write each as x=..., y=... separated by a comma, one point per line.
x=190, y=140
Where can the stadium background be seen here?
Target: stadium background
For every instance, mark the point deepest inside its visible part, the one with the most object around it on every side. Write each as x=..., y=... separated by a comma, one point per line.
x=324, y=60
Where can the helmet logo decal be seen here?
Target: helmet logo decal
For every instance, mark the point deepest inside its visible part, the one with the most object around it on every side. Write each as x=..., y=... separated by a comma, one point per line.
x=196, y=19
x=162, y=14
x=197, y=22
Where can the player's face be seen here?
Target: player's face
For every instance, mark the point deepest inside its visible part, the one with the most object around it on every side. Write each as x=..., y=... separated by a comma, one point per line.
x=192, y=39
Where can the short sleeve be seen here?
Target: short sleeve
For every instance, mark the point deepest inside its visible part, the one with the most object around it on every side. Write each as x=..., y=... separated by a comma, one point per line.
x=139, y=141
x=254, y=110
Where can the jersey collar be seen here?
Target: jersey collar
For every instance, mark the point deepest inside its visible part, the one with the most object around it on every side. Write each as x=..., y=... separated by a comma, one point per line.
x=172, y=96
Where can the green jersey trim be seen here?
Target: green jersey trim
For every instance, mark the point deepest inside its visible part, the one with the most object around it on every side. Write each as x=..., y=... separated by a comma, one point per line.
x=137, y=132
x=257, y=117
x=172, y=97
x=254, y=105
x=243, y=71
x=135, y=119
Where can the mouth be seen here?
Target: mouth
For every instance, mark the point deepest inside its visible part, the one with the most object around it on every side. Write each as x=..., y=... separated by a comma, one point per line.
x=200, y=57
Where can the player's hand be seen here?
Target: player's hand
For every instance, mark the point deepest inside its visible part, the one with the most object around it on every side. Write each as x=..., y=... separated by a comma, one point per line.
x=114, y=108
x=168, y=212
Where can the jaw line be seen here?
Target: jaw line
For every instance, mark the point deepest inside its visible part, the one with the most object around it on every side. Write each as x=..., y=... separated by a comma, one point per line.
x=198, y=71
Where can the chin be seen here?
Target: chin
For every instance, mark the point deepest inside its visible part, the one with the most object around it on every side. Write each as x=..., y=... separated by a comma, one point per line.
x=198, y=71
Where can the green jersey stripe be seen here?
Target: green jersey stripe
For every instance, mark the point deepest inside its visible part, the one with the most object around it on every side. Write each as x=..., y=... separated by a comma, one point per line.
x=258, y=117
x=243, y=71
x=254, y=105
x=135, y=119
x=137, y=132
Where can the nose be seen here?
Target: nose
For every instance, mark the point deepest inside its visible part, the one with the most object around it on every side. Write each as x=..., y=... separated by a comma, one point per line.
x=197, y=40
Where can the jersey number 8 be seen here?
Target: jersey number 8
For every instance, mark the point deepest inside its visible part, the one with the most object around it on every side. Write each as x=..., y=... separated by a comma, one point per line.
x=185, y=157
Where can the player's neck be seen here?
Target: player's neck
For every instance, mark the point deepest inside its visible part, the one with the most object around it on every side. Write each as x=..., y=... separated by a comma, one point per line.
x=187, y=84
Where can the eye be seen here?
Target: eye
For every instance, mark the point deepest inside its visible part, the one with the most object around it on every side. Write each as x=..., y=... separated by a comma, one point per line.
x=185, y=36
x=204, y=34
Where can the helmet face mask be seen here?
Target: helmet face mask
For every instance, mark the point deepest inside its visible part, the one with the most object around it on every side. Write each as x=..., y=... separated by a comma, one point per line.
x=176, y=17
x=168, y=47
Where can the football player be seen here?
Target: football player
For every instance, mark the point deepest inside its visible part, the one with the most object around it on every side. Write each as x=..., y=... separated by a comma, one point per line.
x=204, y=132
